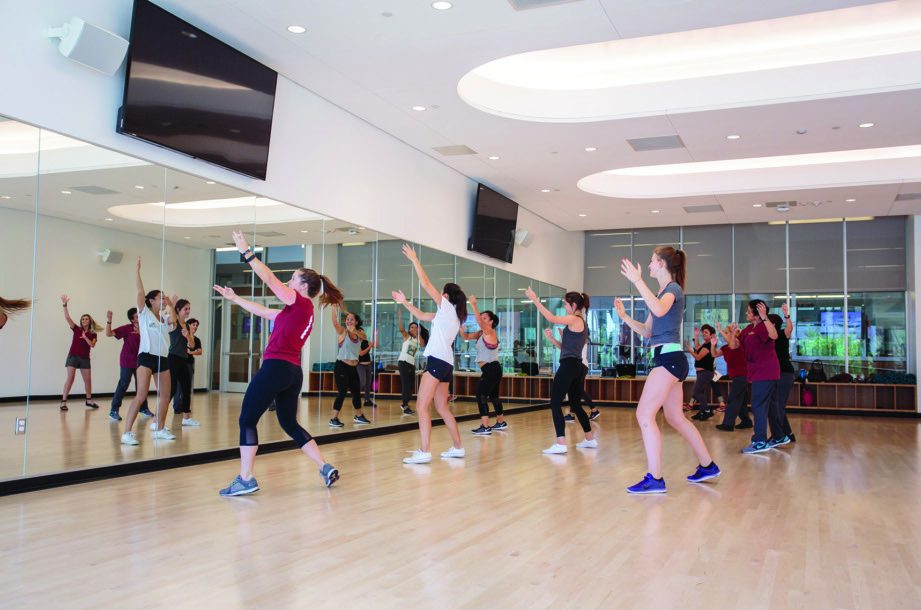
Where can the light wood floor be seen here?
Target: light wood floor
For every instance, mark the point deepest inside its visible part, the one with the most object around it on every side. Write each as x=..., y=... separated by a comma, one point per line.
x=81, y=437
x=830, y=522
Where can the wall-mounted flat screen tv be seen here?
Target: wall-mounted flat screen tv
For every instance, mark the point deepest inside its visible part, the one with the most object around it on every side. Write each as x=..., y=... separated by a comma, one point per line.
x=494, y=225
x=189, y=92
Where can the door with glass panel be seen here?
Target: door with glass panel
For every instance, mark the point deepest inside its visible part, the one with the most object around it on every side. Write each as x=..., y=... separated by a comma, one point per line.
x=245, y=337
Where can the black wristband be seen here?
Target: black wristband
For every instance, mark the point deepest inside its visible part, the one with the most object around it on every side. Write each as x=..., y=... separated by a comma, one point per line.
x=247, y=259
x=764, y=319
x=786, y=317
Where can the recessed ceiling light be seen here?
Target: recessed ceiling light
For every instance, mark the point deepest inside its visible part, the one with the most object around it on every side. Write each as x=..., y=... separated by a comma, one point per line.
x=187, y=237
x=108, y=220
x=866, y=124
x=494, y=158
x=733, y=137
x=305, y=231
x=65, y=192
x=655, y=211
x=583, y=215
x=850, y=200
x=591, y=149
x=544, y=190
x=209, y=182
x=756, y=205
x=296, y=29
x=138, y=186
x=418, y=108
x=5, y=197
x=441, y=6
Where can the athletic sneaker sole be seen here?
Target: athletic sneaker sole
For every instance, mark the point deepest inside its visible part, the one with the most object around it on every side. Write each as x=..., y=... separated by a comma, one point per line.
x=487, y=433
x=646, y=492
x=332, y=477
x=705, y=478
x=756, y=451
x=242, y=492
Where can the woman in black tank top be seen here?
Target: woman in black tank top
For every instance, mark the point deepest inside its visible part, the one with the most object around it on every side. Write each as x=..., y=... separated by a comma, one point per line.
x=705, y=371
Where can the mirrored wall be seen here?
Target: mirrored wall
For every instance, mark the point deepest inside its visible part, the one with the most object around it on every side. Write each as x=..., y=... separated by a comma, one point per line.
x=76, y=219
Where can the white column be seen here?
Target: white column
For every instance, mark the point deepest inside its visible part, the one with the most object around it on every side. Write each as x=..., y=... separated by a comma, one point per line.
x=914, y=283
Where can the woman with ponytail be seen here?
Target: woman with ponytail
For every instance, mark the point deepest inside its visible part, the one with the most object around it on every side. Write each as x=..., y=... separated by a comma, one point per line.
x=280, y=377
x=83, y=339
x=439, y=351
x=568, y=379
x=670, y=366
x=9, y=307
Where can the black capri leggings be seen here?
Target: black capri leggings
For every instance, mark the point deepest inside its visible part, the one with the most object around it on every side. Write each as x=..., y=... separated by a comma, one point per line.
x=488, y=388
x=277, y=380
x=179, y=374
x=347, y=380
x=568, y=381
x=407, y=380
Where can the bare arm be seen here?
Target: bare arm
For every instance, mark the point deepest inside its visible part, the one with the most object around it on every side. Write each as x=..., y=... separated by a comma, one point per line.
x=768, y=325
x=550, y=335
x=657, y=307
x=423, y=278
x=415, y=311
x=334, y=312
x=400, y=324
x=195, y=352
x=788, y=324
x=698, y=355
x=470, y=336
x=642, y=329
x=569, y=320
x=109, y=331
x=279, y=288
x=66, y=299
x=254, y=308
x=142, y=301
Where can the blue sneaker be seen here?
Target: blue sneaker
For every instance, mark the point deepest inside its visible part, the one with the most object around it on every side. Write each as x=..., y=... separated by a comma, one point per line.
x=329, y=474
x=756, y=448
x=239, y=487
x=648, y=485
x=114, y=416
x=705, y=473
x=772, y=442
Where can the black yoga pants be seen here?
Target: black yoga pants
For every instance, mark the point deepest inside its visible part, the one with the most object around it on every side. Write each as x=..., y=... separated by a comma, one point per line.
x=347, y=380
x=279, y=381
x=407, y=380
x=366, y=376
x=568, y=381
x=488, y=388
x=179, y=375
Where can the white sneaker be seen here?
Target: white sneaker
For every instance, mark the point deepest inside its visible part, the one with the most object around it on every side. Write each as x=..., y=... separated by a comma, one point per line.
x=164, y=434
x=128, y=438
x=190, y=422
x=587, y=444
x=555, y=448
x=418, y=457
x=453, y=453
x=153, y=426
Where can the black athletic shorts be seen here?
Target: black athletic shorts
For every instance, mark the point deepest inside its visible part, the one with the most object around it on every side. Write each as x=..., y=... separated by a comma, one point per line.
x=439, y=369
x=675, y=363
x=157, y=364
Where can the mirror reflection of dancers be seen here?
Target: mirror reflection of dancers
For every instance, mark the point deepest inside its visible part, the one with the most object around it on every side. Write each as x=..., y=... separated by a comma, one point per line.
x=487, y=356
x=568, y=378
x=406, y=364
x=586, y=397
x=366, y=367
x=662, y=389
x=345, y=372
x=127, y=360
x=83, y=340
x=452, y=310
x=155, y=316
x=280, y=376
x=10, y=307
x=705, y=366
x=731, y=352
x=193, y=352
x=181, y=340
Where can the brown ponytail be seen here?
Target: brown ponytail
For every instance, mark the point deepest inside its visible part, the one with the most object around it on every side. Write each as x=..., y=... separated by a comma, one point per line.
x=579, y=300
x=675, y=261
x=11, y=306
x=457, y=298
x=318, y=284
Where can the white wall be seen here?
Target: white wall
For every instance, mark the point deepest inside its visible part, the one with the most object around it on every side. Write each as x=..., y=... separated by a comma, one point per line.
x=68, y=263
x=322, y=158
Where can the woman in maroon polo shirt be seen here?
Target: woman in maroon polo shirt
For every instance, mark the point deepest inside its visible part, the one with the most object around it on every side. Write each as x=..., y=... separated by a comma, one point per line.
x=82, y=341
x=731, y=352
x=762, y=368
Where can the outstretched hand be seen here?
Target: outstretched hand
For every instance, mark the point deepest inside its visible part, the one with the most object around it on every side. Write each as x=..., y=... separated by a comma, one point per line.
x=109, y=316
x=139, y=263
x=530, y=294
x=548, y=333
x=713, y=340
x=225, y=291
x=619, y=306
x=239, y=241
x=633, y=274
x=410, y=253
x=472, y=300
x=696, y=332
x=65, y=299
x=786, y=310
x=762, y=310
x=398, y=295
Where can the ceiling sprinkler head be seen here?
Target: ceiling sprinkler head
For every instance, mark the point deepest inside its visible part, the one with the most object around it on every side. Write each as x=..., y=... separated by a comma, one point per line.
x=783, y=207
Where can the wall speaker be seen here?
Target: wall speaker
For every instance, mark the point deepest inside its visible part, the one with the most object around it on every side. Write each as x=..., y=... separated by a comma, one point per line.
x=111, y=256
x=524, y=238
x=90, y=45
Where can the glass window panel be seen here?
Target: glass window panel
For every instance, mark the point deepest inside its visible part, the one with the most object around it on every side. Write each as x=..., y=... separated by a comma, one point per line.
x=706, y=309
x=760, y=258
x=819, y=330
x=709, y=252
x=817, y=256
x=877, y=333
x=603, y=253
x=876, y=254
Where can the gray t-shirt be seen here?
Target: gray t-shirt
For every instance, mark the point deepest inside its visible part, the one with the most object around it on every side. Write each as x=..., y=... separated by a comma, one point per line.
x=667, y=329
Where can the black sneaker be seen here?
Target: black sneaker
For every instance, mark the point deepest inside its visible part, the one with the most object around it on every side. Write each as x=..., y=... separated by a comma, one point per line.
x=570, y=418
x=368, y=403
x=500, y=425
x=702, y=415
x=745, y=425
x=482, y=431
x=113, y=415
x=361, y=419
x=335, y=423
x=725, y=427
x=594, y=415
x=146, y=413
x=408, y=411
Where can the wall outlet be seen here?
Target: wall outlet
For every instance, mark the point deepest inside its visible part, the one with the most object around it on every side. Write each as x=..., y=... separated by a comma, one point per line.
x=20, y=426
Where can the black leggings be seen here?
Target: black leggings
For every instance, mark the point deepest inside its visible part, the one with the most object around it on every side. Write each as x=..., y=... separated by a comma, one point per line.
x=279, y=381
x=585, y=395
x=347, y=380
x=179, y=375
x=407, y=380
x=568, y=381
x=488, y=388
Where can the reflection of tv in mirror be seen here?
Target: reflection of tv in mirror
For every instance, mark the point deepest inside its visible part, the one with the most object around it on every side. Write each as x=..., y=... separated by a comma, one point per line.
x=494, y=225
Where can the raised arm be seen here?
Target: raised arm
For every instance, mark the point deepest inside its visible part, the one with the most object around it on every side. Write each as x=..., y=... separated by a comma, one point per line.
x=642, y=329
x=279, y=288
x=64, y=300
x=717, y=352
x=334, y=312
x=696, y=338
x=657, y=307
x=697, y=354
x=254, y=308
x=788, y=326
x=768, y=325
x=568, y=319
x=423, y=278
x=400, y=324
x=548, y=332
x=400, y=298
x=141, y=300
x=109, y=331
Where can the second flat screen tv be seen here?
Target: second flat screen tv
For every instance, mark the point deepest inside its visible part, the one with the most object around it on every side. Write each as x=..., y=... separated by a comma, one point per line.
x=494, y=225
x=188, y=91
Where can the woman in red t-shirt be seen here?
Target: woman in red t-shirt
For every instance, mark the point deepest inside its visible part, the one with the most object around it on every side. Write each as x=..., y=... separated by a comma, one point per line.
x=83, y=340
x=280, y=376
x=738, y=381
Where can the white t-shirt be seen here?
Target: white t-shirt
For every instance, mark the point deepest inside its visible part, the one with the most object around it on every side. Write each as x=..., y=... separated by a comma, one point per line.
x=154, y=334
x=444, y=331
x=409, y=351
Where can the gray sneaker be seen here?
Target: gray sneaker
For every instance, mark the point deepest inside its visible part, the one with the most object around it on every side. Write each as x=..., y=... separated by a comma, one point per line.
x=756, y=448
x=329, y=473
x=239, y=487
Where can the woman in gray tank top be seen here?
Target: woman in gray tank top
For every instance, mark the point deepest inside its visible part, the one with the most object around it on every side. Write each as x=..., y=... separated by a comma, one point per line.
x=345, y=372
x=670, y=366
x=568, y=378
x=487, y=356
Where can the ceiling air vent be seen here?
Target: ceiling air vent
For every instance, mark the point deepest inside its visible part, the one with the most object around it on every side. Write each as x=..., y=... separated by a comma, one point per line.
x=656, y=143
x=454, y=150
x=699, y=209
x=93, y=190
x=774, y=204
x=523, y=5
x=908, y=197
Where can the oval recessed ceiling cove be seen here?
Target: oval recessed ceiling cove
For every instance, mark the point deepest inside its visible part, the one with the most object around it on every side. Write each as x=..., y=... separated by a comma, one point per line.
x=789, y=172
x=739, y=65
